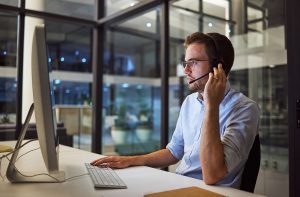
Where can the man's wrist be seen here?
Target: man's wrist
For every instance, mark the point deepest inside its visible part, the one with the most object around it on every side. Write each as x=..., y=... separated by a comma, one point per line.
x=212, y=108
x=137, y=160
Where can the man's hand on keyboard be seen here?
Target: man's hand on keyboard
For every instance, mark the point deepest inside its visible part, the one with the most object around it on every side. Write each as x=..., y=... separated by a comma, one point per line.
x=115, y=161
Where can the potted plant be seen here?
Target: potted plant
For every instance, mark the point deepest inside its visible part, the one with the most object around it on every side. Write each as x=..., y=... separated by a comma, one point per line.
x=120, y=128
x=5, y=119
x=145, y=125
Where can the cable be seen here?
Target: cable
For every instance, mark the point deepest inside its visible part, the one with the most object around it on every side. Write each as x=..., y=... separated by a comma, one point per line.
x=3, y=156
x=76, y=176
x=6, y=155
x=40, y=174
x=0, y=170
x=46, y=174
x=27, y=153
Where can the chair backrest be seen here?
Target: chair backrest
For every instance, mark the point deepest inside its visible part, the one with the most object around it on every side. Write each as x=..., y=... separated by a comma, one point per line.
x=251, y=168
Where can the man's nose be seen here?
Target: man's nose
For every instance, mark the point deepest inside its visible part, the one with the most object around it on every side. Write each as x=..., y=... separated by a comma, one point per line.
x=187, y=69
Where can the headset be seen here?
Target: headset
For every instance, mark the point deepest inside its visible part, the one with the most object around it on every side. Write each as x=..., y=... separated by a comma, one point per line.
x=215, y=61
x=218, y=59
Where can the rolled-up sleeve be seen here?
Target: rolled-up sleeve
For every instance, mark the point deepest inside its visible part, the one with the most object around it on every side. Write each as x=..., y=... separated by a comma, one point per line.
x=176, y=144
x=241, y=129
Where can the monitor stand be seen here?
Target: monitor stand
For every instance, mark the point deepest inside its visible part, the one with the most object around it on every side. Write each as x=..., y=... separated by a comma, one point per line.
x=12, y=173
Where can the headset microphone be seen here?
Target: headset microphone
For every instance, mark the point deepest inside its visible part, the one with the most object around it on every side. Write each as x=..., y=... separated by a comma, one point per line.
x=199, y=78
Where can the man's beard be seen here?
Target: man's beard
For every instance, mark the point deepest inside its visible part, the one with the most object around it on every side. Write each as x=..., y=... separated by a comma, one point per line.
x=197, y=86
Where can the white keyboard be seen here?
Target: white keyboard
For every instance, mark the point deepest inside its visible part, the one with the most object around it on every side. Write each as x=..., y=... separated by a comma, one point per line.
x=104, y=177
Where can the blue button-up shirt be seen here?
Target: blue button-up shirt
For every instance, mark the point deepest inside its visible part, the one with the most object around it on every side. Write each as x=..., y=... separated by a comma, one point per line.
x=239, y=120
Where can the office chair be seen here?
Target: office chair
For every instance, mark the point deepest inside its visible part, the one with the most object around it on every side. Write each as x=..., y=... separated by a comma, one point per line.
x=251, y=169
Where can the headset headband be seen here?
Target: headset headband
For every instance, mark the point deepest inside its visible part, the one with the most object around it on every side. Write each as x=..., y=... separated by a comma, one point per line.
x=217, y=59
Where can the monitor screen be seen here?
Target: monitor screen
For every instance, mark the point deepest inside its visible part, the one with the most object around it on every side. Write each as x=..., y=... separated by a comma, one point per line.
x=44, y=114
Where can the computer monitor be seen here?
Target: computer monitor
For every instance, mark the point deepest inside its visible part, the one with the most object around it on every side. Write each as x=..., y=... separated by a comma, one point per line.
x=44, y=114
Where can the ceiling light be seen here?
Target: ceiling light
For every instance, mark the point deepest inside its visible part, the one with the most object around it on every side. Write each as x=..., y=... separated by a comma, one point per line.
x=210, y=24
x=57, y=81
x=148, y=24
x=62, y=59
x=125, y=85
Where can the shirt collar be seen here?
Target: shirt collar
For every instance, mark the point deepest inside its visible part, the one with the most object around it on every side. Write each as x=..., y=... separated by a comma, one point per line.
x=227, y=89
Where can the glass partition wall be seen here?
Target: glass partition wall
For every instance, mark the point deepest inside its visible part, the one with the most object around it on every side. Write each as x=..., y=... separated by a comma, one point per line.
x=131, y=69
x=131, y=101
x=69, y=57
x=8, y=73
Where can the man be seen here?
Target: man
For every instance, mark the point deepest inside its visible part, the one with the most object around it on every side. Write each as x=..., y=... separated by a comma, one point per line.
x=216, y=126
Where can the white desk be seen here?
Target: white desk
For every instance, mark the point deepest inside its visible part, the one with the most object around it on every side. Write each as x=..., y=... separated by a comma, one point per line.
x=139, y=180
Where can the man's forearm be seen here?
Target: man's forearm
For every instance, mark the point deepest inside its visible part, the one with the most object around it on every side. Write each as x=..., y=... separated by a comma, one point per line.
x=211, y=148
x=157, y=159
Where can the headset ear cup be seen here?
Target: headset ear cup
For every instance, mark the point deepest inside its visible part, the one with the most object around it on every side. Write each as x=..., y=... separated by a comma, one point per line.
x=215, y=63
x=224, y=66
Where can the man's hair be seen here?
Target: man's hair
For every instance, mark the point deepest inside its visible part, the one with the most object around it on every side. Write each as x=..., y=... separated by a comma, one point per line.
x=215, y=45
